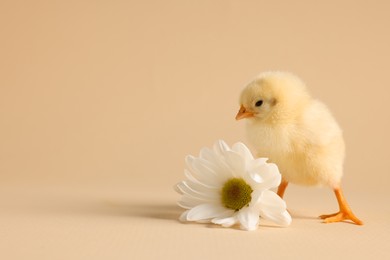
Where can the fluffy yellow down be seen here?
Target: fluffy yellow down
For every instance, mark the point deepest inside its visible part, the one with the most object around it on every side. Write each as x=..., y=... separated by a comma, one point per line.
x=293, y=130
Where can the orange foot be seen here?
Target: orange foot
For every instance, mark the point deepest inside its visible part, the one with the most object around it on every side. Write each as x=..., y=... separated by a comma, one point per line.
x=345, y=212
x=341, y=216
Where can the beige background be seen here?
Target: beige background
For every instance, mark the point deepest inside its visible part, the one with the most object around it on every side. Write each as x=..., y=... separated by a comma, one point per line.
x=100, y=101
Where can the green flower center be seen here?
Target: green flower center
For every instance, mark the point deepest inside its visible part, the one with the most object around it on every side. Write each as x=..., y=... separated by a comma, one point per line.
x=236, y=194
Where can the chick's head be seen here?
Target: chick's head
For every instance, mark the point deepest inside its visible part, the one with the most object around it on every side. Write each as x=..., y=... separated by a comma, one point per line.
x=272, y=96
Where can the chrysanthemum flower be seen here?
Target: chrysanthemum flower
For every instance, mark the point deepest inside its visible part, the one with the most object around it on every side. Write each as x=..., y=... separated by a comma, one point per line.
x=228, y=186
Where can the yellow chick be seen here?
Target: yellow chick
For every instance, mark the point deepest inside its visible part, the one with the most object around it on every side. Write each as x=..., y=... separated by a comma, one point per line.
x=296, y=132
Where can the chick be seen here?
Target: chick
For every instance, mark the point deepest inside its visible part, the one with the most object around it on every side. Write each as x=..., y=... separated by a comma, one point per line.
x=296, y=132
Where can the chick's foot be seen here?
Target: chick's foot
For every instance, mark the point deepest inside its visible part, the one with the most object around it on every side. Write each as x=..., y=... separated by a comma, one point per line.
x=341, y=216
x=345, y=212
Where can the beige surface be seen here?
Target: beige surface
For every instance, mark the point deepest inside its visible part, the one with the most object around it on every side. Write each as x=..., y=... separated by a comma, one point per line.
x=101, y=100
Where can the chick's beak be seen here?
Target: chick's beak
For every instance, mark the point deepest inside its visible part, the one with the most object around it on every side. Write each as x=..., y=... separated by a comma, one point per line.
x=243, y=113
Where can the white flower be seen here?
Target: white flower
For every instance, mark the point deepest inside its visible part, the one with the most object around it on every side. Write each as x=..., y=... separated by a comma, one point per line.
x=228, y=186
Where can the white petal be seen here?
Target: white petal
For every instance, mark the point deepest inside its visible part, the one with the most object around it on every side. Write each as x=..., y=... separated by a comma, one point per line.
x=225, y=170
x=255, y=200
x=183, y=216
x=265, y=177
x=176, y=188
x=274, y=208
x=197, y=185
x=243, y=151
x=208, y=154
x=236, y=162
x=188, y=202
x=271, y=200
x=220, y=147
x=210, y=195
x=189, y=176
x=214, y=173
x=225, y=222
x=204, y=166
x=225, y=218
x=201, y=176
x=254, y=164
x=218, y=154
x=205, y=211
x=255, y=177
x=281, y=219
x=249, y=218
x=285, y=219
x=215, y=162
x=206, y=182
x=200, y=188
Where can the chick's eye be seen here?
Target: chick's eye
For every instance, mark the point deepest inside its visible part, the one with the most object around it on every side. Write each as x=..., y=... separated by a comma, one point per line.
x=259, y=103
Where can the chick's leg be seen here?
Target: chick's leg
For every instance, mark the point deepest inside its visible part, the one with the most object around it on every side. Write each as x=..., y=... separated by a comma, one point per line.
x=345, y=212
x=282, y=188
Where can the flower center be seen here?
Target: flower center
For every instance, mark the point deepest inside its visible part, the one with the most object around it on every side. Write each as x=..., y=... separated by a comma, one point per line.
x=236, y=194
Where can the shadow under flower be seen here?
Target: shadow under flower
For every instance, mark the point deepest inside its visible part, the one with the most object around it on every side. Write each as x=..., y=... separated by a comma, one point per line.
x=142, y=210
x=301, y=215
x=107, y=207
